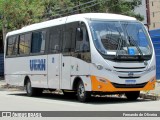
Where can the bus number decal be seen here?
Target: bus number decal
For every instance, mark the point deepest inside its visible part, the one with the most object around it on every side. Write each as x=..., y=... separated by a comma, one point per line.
x=53, y=60
x=38, y=65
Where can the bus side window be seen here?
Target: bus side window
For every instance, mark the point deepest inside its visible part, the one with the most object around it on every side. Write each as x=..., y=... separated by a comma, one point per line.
x=9, y=46
x=43, y=35
x=21, y=44
x=82, y=46
x=15, y=46
x=12, y=46
x=54, y=39
x=38, y=42
x=67, y=40
x=24, y=44
x=82, y=40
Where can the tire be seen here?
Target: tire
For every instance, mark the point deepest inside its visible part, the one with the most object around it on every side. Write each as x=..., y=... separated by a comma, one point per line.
x=32, y=91
x=132, y=95
x=82, y=95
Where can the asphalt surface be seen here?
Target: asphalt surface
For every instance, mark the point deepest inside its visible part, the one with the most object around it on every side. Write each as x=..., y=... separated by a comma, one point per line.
x=15, y=99
x=10, y=97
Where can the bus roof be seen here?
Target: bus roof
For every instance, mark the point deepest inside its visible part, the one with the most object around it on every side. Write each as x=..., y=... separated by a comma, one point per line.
x=72, y=18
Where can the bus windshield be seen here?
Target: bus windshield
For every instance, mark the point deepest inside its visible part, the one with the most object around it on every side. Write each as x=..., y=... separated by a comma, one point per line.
x=121, y=39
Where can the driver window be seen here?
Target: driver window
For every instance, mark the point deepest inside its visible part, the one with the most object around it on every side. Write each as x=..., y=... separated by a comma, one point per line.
x=82, y=47
x=82, y=40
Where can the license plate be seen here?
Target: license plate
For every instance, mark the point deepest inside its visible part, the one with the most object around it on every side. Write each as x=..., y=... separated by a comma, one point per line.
x=130, y=82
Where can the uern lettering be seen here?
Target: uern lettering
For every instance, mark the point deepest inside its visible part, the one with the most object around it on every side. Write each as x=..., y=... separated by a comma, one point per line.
x=38, y=65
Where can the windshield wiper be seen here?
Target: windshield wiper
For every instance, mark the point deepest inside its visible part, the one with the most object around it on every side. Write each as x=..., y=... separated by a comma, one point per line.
x=134, y=42
x=120, y=40
x=119, y=47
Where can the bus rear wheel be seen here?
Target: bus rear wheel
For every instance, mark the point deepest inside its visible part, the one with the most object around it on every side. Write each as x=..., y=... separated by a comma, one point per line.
x=132, y=95
x=82, y=95
x=32, y=91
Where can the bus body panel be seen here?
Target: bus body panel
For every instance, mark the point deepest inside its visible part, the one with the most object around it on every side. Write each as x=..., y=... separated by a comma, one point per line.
x=33, y=66
x=81, y=69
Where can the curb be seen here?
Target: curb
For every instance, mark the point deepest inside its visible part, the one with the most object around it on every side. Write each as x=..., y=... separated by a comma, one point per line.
x=4, y=86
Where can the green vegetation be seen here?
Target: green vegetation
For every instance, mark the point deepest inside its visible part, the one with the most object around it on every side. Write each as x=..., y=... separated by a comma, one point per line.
x=18, y=13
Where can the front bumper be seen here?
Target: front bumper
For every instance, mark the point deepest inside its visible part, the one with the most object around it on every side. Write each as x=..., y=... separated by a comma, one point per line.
x=110, y=87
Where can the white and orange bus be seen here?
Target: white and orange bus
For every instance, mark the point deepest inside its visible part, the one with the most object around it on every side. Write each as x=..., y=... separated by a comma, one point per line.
x=83, y=53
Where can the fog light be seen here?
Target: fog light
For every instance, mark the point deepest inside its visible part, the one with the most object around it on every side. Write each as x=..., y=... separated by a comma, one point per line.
x=99, y=86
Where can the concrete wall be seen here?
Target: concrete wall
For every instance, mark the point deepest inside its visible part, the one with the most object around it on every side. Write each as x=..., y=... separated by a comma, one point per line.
x=154, y=14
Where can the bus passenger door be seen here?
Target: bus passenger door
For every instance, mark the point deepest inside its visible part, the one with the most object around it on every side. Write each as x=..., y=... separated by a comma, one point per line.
x=54, y=71
x=65, y=79
x=54, y=57
x=66, y=57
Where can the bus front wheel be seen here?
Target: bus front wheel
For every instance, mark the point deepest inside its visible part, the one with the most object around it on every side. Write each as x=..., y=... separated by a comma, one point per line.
x=132, y=95
x=82, y=95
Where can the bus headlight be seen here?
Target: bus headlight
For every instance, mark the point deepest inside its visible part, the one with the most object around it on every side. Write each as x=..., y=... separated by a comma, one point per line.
x=151, y=68
x=98, y=66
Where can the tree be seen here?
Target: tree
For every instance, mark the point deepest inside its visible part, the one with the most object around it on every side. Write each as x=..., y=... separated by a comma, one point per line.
x=57, y=8
x=124, y=7
x=18, y=13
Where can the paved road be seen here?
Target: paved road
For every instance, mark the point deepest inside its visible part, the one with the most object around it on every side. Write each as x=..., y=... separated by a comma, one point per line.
x=10, y=99
x=13, y=100
x=17, y=100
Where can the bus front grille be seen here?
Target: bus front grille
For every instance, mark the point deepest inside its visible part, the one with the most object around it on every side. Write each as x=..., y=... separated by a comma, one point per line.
x=129, y=77
x=116, y=85
x=129, y=67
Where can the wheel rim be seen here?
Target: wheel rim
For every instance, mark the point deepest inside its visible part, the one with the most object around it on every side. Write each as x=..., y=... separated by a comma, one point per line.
x=29, y=87
x=81, y=90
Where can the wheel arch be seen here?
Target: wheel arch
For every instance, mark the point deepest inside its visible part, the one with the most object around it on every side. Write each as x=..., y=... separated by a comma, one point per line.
x=26, y=79
x=75, y=82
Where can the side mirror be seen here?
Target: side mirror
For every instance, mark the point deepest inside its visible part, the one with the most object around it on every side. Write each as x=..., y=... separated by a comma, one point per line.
x=56, y=48
x=79, y=34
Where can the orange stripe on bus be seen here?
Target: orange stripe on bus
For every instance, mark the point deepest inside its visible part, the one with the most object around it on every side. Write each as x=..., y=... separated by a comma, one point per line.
x=108, y=87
